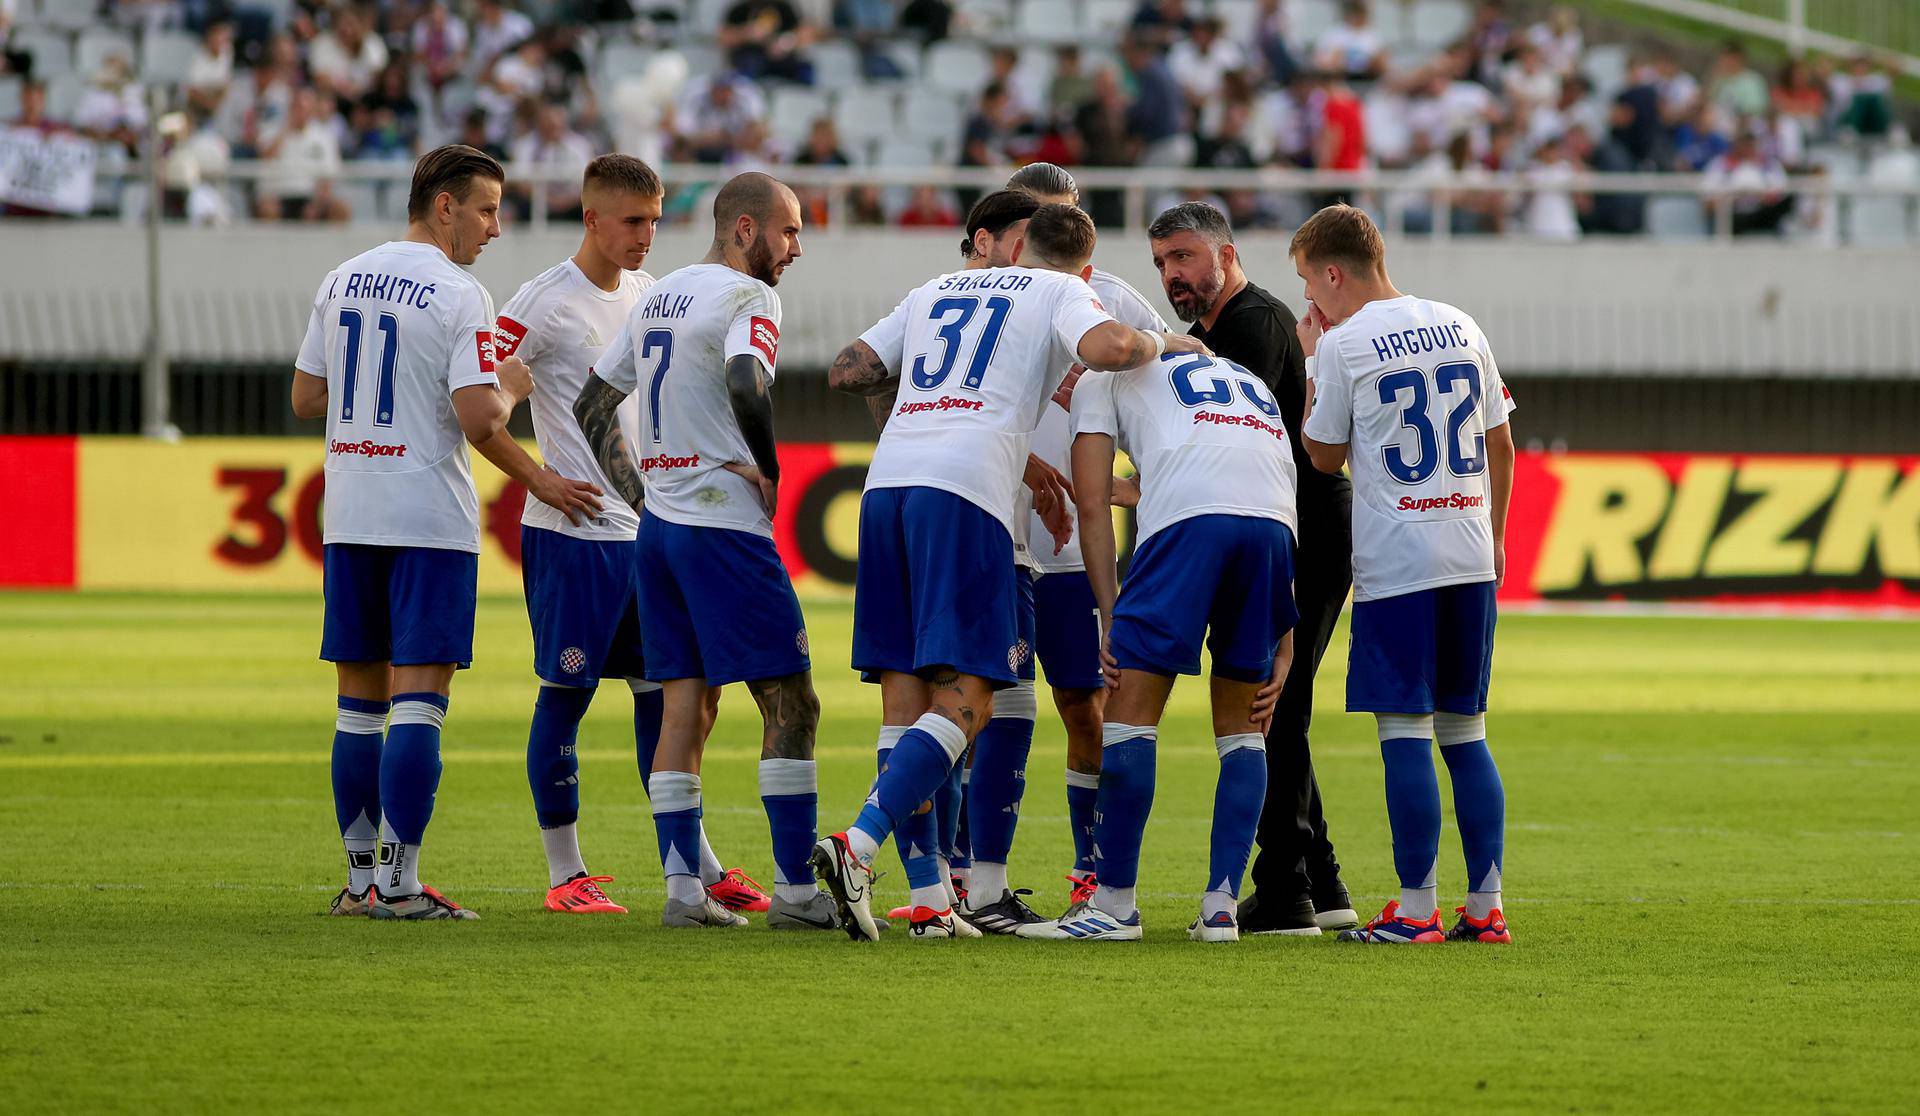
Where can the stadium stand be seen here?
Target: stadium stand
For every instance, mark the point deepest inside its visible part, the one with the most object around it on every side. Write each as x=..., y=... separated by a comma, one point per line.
x=1447, y=89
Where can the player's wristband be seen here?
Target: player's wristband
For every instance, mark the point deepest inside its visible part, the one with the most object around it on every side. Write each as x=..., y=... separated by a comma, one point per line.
x=1311, y=359
x=1159, y=345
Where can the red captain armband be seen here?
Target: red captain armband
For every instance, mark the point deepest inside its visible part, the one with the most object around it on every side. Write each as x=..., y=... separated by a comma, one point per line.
x=763, y=335
x=507, y=335
x=483, y=342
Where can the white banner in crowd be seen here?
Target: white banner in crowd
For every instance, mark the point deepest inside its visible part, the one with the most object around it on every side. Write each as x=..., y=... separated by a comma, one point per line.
x=50, y=172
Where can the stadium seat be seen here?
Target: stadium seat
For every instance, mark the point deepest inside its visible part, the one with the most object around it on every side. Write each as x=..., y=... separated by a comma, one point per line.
x=165, y=56
x=1390, y=19
x=96, y=46
x=1676, y=217
x=1238, y=18
x=1606, y=67
x=791, y=110
x=1307, y=20
x=63, y=95
x=67, y=14
x=957, y=67
x=1878, y=222
x=905, y=151
x=927, y=116
x=1047, y=21
x=1105, y=19
x=865, y=113
x=984, y=18
x=619, y=59
x=52, y=51
x=1435, y=23
x=905, y=54
x=836, y=64
x=703, y=17
x=703, y=59
x=1036, y=67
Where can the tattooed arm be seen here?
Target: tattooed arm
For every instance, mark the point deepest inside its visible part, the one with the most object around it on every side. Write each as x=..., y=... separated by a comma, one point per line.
x=595, y=411
x=858, y=370
x=880, y=406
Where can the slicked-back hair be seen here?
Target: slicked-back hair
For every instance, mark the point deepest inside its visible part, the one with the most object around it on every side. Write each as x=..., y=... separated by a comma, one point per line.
x=1061, y=235
x=1195, y=217
x=1340, y=234
x=622, y=173
x=749, y=194
x=1047, y=180
x=994, y=213
x=449, y=170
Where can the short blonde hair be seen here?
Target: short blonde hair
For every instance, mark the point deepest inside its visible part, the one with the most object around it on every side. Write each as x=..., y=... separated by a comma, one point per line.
x=1343, y=235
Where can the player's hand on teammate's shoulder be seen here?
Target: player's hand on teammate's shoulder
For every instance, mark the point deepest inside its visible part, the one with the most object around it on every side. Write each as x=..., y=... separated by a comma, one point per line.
x=516, y=379
x=1063, y=395
x=1186, y=343
x=578, y=499
x=769, y=489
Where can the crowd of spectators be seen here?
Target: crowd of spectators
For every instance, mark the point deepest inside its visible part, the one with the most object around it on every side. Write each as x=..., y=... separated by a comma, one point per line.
x=309, y=85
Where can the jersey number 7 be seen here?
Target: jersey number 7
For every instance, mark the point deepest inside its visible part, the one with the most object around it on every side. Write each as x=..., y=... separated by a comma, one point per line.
x=354, y=324
x=954, y=314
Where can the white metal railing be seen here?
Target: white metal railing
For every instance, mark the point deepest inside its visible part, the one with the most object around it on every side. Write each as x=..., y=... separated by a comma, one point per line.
x=1138, y=184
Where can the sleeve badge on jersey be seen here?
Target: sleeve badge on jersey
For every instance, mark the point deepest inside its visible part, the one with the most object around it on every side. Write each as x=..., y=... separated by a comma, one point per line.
x=507, y=335
x=483, y=343
x=764, y=336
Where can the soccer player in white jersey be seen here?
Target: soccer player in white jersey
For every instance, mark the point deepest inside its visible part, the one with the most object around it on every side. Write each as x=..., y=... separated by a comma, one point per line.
x=579, y=577
x=399, y=358
x=974, y=357
x=1214, y=565
x=1406, y=394
x=1066, y=632
x=717, y=604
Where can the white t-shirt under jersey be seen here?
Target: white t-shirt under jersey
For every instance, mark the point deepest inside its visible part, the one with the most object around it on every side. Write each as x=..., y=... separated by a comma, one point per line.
x=1411, y=388
x=673, y=355
x=1053, y=438
x=559, y=323
x=979, y=354
x=396, y=331
x=1205, y=432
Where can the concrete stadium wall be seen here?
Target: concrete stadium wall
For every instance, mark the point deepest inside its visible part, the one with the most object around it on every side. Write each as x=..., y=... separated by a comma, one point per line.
x=76, y=292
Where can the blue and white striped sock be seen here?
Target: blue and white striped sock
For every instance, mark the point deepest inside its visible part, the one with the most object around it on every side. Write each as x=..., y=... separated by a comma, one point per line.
x=1127, y=761
x=409, y=779
x=359, y=725
x=676, y=827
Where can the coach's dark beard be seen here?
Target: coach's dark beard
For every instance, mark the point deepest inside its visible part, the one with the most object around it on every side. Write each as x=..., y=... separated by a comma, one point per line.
x=1190, y=303
x=760, y=263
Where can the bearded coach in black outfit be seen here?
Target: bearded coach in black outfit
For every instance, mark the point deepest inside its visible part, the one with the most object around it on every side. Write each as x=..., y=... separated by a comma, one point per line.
x=1296, y=879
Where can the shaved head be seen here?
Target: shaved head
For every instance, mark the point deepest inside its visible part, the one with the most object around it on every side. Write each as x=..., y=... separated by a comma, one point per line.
x=747, y=195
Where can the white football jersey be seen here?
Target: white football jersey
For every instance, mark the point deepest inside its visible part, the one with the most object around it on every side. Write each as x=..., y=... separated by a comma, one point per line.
x=559, y=323
x=396, y=331
x=1411, y=388
x=1205, y=432
x=673, y=355
x=1053, y=438
x=979, y=353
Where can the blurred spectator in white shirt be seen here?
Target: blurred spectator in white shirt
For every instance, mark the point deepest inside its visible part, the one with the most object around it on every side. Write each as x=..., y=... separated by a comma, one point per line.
x=1762, y=202
x=348, y=56
x=711, y=113
x=210, y=71
x=113, y=109
x=1559, y=40
x=305, y=156
x=1551, y=212
x=1201, y=63
x=553, y=148
x=496, y=29
x=1351, y=48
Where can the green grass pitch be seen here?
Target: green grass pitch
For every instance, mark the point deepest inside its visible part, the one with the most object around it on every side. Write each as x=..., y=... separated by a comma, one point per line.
x=1710, y=866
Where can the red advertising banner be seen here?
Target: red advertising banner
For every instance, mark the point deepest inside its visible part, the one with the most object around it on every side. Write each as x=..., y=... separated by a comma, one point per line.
x=240, y=514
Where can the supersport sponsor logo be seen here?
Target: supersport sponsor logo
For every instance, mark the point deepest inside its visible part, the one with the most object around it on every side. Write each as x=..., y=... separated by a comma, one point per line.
x=507, y=336
x=944, y=403
x=1218, y=419
x=483, y=342
x=765, y=336
x=666, y=461
x=366, y=448
x=1456, y=501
